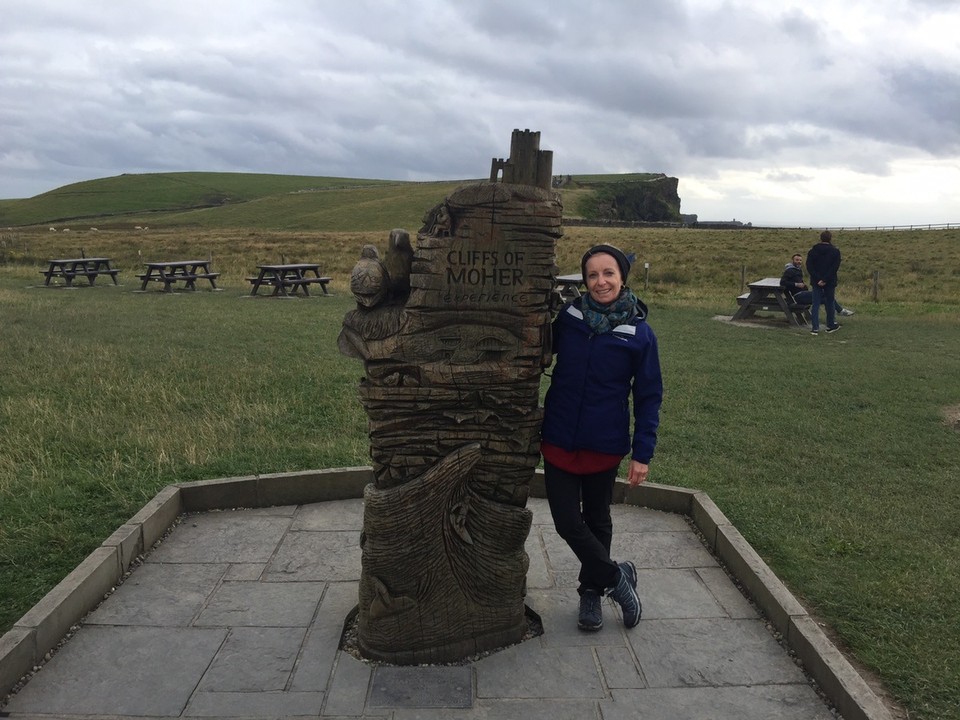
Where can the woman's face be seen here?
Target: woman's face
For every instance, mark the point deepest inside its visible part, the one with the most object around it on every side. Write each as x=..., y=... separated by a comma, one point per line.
x=603, y=278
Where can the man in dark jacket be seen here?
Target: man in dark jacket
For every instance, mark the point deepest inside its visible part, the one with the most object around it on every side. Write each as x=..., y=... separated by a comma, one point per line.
x=823, y=262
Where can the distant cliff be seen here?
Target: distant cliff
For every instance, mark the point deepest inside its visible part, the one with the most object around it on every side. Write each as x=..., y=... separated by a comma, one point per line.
x=650, y=197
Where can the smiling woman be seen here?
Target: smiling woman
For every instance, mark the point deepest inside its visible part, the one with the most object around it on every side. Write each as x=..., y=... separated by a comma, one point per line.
x=604, y=270
x=605, y=352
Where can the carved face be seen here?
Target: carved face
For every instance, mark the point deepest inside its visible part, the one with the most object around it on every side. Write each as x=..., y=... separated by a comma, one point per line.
x=603, y=278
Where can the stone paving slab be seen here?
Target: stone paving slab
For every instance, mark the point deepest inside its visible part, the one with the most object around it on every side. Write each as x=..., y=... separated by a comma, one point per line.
x=531, y=670
x=483, y=709
x=676, y=593
x=253, y=660
x=240, y=614
x=422, y=687
x=783, y=702
x=329, y=516
x=217, y=537
x=320, y=648
x=161, y=595
x=254, y=704
x=316, y=556
x=738, y=652
x=265, y=604
x=122, y=671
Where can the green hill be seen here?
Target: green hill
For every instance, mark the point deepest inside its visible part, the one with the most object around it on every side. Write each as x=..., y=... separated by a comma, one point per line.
x=130, y=199
x=288, y=202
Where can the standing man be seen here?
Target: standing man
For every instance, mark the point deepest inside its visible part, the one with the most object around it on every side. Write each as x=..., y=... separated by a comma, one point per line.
x=823, y=262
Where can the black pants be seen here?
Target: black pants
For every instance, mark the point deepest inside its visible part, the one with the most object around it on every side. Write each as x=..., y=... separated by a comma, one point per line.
x=580, y=505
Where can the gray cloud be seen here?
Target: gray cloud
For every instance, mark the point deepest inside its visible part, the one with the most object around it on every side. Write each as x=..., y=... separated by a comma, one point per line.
x=704, y=89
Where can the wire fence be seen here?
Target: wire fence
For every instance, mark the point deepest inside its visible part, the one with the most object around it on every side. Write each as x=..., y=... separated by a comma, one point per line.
x=926, y=226
x=736, y=225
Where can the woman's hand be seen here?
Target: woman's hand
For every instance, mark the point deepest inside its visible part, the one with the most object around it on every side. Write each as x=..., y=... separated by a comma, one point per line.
x=638, y=473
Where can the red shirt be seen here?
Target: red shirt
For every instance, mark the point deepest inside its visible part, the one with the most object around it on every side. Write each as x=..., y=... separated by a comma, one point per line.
x=578, y=462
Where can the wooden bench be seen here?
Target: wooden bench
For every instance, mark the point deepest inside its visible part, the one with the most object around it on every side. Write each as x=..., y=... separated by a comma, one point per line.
x=290, y=282
x=71, y=269
x=309, y=280
x=169, y=278
x=773, y=307
x=187, y=271
x=767, y=295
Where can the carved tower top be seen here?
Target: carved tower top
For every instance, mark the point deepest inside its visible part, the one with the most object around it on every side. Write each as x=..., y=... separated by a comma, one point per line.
x=527, y=164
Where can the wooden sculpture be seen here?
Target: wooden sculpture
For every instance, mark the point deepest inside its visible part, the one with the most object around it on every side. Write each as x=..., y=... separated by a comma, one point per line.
x=453, y=335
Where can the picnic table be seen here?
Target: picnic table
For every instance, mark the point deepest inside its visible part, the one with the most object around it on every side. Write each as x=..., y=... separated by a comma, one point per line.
x=86, y=267
x=768, y=295
x=569, y=285
x=170, y=272
x=288, y=279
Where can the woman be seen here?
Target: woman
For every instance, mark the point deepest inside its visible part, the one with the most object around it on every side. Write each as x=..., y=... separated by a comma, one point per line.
x=604, y=350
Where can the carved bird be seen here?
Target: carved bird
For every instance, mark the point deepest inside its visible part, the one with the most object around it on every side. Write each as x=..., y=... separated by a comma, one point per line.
x=369, y=280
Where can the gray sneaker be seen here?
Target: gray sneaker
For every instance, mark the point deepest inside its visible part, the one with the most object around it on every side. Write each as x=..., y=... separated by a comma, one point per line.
x=625, y=595
x=590, y=617
x=847, y=312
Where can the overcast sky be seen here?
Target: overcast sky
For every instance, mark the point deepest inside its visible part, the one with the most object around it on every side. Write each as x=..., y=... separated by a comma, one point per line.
x=814, y=113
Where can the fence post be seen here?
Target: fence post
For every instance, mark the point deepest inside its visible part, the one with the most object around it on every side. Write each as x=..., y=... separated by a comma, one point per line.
x=743, y=276
x=876, y=285
x=646, y=276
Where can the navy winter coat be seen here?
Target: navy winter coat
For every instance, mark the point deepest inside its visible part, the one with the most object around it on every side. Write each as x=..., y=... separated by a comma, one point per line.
x=587, y=404
x=823, y=261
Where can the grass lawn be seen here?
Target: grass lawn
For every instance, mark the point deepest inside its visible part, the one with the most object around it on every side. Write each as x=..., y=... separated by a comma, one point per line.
x=832, y=454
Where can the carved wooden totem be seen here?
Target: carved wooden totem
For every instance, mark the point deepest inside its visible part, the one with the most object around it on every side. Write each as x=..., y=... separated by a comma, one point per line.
x=453, y=334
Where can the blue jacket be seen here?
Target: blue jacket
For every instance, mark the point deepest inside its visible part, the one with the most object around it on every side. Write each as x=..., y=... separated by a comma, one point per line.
x=587, y=405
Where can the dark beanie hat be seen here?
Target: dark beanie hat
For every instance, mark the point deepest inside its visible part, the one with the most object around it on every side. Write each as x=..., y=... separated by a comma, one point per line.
x=617, y=255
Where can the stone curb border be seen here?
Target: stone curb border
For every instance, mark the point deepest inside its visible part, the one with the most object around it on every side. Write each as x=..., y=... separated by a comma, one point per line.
x=44, y=625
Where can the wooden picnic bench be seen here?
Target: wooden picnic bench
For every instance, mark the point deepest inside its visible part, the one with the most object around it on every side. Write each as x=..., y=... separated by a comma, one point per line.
x=288, y=279
x=767, y=295
x=569, y=286
x=171, y=272
x=71, y=268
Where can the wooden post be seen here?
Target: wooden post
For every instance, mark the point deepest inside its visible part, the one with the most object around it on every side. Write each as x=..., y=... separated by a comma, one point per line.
x=743, y=276
x=646, y=276
x=876, y=286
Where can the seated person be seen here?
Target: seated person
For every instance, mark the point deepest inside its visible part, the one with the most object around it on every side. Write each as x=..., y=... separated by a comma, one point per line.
x=792, y=281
